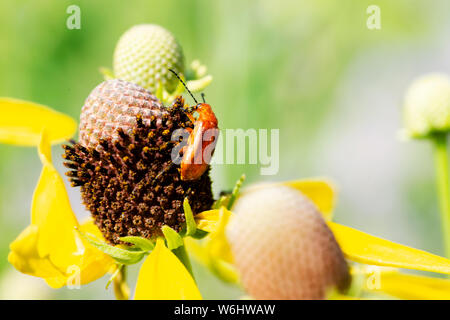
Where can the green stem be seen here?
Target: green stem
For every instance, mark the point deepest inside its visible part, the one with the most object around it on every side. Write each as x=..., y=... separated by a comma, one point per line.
x=182, y=255
x=121, y=289
x=441, y=161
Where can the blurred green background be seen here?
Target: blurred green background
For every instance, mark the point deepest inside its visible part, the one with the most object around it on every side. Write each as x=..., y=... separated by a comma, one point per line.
x=312, y=69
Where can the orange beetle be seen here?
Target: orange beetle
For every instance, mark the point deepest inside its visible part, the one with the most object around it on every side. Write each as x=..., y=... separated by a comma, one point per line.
x=195, y=160
x=202, y=139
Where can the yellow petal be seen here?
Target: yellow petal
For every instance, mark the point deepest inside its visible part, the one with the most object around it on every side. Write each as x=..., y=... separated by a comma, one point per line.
x=218, y=246
x=50, y=247
x=88, y=226
x=217, y=252
x=22, y=122
x=362, y=247
x=340, y=296
x=164, y=277
x=200, y=250
x=208, y=220
x=25, y=258
x=45, y=149
x=90, y=263
x=56, y=282
x=321, y=192
x=415, y=287
x=197, y=249
x=52, y=214
x=224, y=270
x=94, y=263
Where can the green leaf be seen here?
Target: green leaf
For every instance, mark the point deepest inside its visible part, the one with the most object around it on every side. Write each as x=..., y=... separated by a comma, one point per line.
x=122, y=256
x=172, y=237
x=111, y=279
x=179, y=89
x=182, y=255
x=235, y=192
x=224, y=271
x=222, y=201
x=199, y=234
x=141, y=243
x=191, y=226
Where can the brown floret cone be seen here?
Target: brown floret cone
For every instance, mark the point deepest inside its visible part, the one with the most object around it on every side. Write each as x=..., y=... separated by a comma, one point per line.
x=123, y=163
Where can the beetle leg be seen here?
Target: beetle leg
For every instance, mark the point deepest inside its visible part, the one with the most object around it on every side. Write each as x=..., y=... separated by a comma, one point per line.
x=191, y=117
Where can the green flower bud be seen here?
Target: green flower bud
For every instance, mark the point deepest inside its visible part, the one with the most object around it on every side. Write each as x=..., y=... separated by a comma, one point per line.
x=427, y=106
x=144, y=55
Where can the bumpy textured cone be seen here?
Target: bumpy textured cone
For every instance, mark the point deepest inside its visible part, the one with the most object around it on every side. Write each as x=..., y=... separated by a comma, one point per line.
x=427, y=106
x=114, y=104
x=283, y=248
x=144, y=55
x=123, y=163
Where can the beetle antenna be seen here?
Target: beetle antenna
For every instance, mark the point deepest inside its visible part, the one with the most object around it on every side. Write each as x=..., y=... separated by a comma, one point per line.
x=184, y=84
x=203, y=97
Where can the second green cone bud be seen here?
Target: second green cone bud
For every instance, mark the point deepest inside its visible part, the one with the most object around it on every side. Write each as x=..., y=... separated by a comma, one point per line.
x=144, y=55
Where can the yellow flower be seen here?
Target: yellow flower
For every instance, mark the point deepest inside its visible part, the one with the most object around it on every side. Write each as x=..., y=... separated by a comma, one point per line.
x=357, y=247
x=22, y=123
x=56, y=247
x=50, y=247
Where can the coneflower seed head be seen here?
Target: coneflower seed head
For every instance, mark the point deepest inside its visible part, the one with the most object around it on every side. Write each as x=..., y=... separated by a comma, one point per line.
x=282, y=246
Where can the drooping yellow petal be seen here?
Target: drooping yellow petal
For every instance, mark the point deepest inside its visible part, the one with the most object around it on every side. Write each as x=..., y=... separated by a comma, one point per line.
x=391, y=282
x=362, y=247
x=321, y=192
x=51, y=212
x=90, y=263
x=21, y=123
x=218, y=246
x=208, y=220
x=25, y=258
x=414, y=287
x=214, y=222
x=164, y=277
x=88, y=226
x=197, y=249
x=45, y=150
x=94, y=263
x=50, y=247
x=215, y=252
